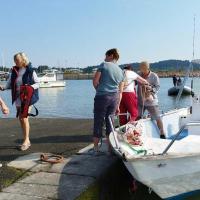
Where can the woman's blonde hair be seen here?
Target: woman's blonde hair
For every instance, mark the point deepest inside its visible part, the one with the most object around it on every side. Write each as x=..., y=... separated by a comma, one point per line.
x=23, y=56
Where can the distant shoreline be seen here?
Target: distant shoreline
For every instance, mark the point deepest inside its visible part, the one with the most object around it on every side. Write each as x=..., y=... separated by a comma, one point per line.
x=163, y=74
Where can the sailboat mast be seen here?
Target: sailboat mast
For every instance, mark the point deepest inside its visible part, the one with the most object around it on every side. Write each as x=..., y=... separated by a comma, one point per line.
x=3, y=62
x=193, y=51
x=193, y=38
x=189, y=71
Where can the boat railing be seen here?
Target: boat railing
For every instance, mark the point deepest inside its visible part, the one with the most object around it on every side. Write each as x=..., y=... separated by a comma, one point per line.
x=111, y=117
x=111, y=120
x=177, y=134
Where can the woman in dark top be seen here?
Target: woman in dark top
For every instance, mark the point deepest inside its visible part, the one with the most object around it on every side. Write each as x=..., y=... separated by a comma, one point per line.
x=22, y=74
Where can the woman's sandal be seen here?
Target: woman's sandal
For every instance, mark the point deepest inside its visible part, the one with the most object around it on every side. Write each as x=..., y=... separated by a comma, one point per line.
x=24, y=147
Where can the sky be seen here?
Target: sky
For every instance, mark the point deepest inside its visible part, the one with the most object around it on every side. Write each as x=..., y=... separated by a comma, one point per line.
x=77, y=33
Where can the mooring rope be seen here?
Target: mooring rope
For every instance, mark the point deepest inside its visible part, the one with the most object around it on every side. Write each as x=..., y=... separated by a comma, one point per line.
x=51, y=158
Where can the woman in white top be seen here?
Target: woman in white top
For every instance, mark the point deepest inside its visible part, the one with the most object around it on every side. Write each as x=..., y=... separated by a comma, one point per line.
x=129, y=97
x=22, y=74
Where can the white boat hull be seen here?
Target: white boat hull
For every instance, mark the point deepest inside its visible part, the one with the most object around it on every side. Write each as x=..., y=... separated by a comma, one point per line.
x=172, y=175
x=168, y=177
x=52, y=84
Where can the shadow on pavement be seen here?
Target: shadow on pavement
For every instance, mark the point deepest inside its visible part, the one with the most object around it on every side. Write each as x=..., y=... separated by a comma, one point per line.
x=60, y=139
x=9, y=147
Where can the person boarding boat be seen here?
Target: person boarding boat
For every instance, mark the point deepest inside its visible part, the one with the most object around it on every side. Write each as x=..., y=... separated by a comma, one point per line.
x=129, y=102
x=147, y=96
x=108, y=83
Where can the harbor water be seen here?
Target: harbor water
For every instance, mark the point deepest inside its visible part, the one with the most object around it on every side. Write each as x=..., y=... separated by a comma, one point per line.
x=77, y=98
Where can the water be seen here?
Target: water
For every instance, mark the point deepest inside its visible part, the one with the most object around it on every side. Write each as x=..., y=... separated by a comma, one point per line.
x=76, y=99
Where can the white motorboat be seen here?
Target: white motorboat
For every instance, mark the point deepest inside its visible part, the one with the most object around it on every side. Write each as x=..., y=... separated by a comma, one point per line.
x=170, y=167
x=51, y=78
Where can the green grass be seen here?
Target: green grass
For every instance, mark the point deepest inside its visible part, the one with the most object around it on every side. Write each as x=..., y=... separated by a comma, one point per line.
x=9, y=175
x=195, y=197
x=92, y=193
x=115, y=185
x=110, y=186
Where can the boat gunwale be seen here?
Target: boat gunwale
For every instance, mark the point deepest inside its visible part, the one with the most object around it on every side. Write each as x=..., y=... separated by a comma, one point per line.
x=159, y=156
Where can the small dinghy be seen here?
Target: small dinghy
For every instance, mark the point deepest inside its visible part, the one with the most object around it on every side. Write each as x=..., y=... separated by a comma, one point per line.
x=175, y=90
x=170, y=167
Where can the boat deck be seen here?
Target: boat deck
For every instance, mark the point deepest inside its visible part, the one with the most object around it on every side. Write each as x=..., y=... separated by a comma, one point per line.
x=189, y=144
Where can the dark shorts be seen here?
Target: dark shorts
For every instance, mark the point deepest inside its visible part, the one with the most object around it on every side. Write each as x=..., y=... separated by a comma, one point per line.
x=104, y=105
x=153, y=111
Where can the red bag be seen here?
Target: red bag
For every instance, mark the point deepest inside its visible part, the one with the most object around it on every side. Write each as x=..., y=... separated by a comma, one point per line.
x=26, y=93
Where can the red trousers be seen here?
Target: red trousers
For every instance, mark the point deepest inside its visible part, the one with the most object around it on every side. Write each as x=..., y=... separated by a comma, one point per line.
x=128, y=104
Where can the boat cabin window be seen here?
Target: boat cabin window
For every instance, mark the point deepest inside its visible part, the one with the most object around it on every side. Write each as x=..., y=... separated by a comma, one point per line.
x=59, y=76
